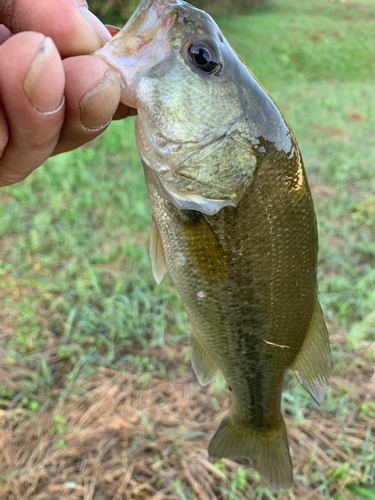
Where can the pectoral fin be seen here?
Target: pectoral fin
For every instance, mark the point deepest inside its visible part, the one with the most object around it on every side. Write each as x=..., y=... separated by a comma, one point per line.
x=205, y=369
x=313, y=363
x=159, y=266
x=204, y=246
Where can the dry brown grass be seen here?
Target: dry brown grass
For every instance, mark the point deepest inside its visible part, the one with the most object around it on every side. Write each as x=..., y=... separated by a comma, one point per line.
x=124, y=441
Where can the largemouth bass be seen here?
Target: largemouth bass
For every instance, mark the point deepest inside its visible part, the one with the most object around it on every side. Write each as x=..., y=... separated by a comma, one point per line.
x=233, y=221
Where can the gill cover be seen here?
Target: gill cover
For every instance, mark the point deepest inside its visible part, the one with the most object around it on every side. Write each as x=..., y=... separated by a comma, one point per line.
x=201, y=159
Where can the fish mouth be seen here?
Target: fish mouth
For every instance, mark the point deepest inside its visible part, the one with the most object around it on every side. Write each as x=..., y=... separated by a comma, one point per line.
x=141, y=44
x=146, y=12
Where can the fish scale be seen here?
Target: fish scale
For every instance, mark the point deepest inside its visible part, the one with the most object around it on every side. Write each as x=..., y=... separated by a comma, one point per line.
x=233, y=221
x=246, y=301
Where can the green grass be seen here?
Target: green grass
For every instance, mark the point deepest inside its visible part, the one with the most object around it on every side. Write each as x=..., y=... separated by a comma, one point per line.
x=75, y=276
x=61, y=229
x=305, y=41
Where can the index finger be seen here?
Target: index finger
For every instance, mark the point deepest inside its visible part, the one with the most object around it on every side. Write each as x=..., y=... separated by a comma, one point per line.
x=70, y=24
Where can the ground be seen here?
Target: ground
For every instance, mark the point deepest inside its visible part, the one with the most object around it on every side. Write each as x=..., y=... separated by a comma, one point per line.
x=97, y=396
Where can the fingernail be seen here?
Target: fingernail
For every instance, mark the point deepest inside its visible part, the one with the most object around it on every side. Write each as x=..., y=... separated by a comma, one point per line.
x=98, y=105
x=44, y=84
x=101, y=31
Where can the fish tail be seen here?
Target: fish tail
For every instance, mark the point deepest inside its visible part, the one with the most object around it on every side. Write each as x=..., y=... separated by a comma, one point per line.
x=267, y=450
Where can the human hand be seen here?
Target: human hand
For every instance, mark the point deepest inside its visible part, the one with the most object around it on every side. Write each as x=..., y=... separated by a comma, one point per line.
x=53, y=97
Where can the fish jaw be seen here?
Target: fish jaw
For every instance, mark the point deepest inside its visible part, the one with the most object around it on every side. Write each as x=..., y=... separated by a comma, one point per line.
x=143, y=43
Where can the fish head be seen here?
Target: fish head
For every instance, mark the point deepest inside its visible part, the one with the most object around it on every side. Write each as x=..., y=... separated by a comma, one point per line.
x=198, y=124
x=164, y=40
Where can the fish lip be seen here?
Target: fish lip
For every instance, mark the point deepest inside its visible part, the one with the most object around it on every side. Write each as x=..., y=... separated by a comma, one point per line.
x=145, y=7
x=141, y=44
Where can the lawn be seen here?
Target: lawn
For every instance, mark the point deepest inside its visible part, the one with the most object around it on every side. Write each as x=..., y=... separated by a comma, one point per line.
x=97, y=396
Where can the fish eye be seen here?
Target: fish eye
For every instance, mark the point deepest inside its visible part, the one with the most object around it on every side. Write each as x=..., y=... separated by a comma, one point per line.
x=204, y=56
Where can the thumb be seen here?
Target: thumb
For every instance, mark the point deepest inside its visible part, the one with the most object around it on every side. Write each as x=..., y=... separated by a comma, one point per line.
x=70, y=24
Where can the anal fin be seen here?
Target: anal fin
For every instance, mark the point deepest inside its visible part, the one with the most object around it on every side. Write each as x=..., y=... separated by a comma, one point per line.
x=312, y=366
x=205, y=369
x=159, y=266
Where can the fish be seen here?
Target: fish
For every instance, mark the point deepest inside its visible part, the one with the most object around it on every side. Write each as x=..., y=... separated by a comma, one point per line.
x=233, y=222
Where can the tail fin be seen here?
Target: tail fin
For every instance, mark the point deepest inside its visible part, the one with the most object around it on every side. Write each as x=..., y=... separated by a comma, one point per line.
x=268, y=451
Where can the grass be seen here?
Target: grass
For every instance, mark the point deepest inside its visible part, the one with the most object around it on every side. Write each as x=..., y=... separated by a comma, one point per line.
x=118, y=12
x=97, y=397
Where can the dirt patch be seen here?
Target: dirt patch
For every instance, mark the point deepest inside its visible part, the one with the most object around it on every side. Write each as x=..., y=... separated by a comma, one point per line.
x=337, y=133
x=356, y=115
x=116, y=439
x=322, y=190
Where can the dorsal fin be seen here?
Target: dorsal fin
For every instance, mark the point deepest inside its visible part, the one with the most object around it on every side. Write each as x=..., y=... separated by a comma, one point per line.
x=159, y=265
x=312, y=366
